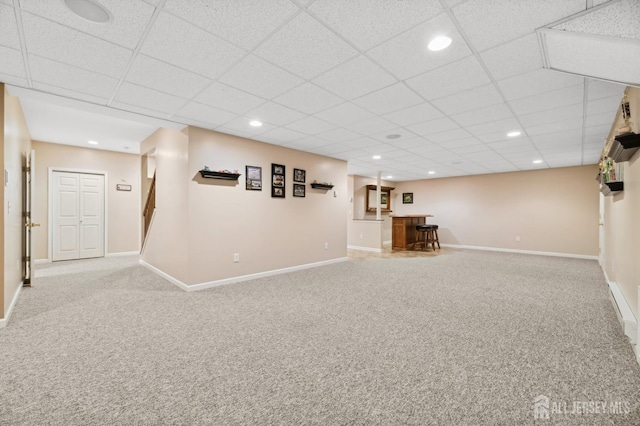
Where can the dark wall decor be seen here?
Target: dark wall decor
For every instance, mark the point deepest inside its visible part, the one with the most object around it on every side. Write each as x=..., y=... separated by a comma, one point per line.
x=277, y=180
x=254, y=178
x=299, y=175
x=407, y=198
x=298, y=190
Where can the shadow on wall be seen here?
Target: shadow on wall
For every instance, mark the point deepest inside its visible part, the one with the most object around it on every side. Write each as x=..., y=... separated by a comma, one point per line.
x=446, y=236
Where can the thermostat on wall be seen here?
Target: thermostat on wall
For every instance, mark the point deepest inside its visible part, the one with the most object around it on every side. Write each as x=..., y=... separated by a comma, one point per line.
x=121, y=187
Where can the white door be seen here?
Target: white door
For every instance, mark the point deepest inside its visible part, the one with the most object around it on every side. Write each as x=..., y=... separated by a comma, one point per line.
x=601, y=241
x=77, y=215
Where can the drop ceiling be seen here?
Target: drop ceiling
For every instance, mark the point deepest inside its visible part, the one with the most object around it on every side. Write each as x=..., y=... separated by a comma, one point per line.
x=331, y=77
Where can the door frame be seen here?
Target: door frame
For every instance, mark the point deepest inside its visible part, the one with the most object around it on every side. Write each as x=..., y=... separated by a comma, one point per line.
x=50, y=205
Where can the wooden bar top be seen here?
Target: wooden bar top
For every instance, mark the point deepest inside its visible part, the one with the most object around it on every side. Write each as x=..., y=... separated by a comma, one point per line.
x=411, y=215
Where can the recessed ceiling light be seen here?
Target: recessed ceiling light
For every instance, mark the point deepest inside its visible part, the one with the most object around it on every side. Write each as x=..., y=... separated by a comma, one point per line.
x=89, y=10
x=255, y=123
x=92, y=142
x=389, y=177
x=439, y=43
x=393, y=136
x=537, y=161
x=432, y=172
x=376, y=157
x=514, y=134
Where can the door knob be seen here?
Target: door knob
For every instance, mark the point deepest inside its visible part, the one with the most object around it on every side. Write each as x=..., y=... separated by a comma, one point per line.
x=31, y=224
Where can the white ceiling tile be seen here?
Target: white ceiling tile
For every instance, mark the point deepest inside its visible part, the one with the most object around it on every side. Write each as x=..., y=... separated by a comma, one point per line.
x=360, y=143
x=455, y=77
x=617, y=19
x=464, y=145
x=383, y=135
x=483, y=115
x=515, y=57
x=536, y=82
x=600, y=130
x=283, y=135
x=602, y=118
x=157, y=75
x=153, y=100
x=138, y=109
x=241, y=22
x=56, y=74
x=130, y=19
x=273, y=113
x=569, y=112
x=214, y=117
x=604, y=105
x=553, y=127
x=354, y=78
x=449, y=135
x=371, y=126
x=12, y=63
x=331, y=149
x=308, y=98
x=603, y=89
x=389, y=99
x=557, y=138
x=367, y=23
x=415, y=114
x=195, y=49
x=70, y=94
x=8, y=27
x=338, y=135
x=491, y=22
x=310, y=125
x=479, y=97
x=549, y=100
x=344, y=114
x=306, y=143
x=433, y=126
x=499, y=126
x=54, y=41
x=408, y=143
x=407, y=55
x=488, y=156
x=305, y=47
x=228, y=98
x=258, y=77
x=241, y=124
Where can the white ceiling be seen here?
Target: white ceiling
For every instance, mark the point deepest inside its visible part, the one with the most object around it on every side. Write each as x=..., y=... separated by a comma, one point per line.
x=332, y=77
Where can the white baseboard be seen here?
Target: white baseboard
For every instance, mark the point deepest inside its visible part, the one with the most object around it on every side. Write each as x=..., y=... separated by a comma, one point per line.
x=376, y=250
x=210, y=284
x=4, y=321
x=123, y=253
x=625, y=315
x=388, y=242
x=538, y=253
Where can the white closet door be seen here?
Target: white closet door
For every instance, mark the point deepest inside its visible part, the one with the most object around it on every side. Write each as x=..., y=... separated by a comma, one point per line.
x=77, y=215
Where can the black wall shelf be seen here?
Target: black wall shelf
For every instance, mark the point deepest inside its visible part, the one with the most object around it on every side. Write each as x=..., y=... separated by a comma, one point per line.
x=609, y=188
x=321, y=186
x=210, y=174
x=624, y=146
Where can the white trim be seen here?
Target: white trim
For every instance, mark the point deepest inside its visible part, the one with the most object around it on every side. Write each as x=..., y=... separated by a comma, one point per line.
x=50, y=204
x=376, y=250
x=623, y=311
x=5, y=321
x=37, y=261
x=538, y=253
x=241, y=278
x=123, y=253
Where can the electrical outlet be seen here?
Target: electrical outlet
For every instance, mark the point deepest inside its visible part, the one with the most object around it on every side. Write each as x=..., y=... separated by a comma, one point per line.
x=326, y=246
x=518, y=238
x=236, y=257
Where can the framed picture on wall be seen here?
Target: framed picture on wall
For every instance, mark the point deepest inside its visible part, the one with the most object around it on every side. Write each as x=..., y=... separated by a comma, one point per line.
x=407, y=198
x=277, y=180
x=254, y=178
x=298, y=190
x=299, y=175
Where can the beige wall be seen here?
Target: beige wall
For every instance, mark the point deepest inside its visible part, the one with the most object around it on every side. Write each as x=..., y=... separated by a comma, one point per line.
x=552, y=210
x=123, y=207
x=268, y=233
x=166, y=247
x=359, y=200
x=16, y=146
x=621, y=214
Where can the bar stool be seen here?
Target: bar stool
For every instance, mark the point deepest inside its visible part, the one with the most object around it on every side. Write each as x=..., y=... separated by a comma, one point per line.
x=421, y=237
x=432, y=236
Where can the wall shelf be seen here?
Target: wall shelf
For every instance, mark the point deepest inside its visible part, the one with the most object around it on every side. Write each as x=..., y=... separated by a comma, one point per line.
x=609, y=188
x=321, y=186
x=210, y=174
x=624, y=146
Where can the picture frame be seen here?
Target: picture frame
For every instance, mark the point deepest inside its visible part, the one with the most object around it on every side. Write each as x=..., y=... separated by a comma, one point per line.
x=407, y=198
x=299, y=190
x=384, y=198
x=278, y=180
x=254, y=178
x=299, y=175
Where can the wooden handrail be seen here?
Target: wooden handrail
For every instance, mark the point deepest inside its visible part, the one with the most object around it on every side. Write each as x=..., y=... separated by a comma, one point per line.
x=149, y=207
